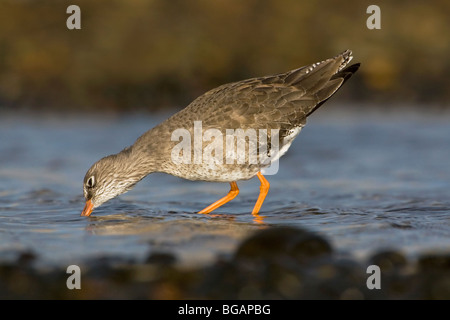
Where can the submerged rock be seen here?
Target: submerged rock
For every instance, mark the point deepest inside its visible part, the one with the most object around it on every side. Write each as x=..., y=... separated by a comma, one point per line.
x=162, y=258
x=276, y=242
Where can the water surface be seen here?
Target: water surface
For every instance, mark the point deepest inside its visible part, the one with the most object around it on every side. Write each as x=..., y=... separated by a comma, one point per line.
x=365, y=181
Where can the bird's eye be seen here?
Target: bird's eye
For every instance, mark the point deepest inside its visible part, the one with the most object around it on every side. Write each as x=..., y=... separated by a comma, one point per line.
x=90, y=182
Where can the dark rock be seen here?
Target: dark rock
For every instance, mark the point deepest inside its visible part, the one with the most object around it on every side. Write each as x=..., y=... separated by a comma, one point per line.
x=435, y=263
x=283, y=241
x=434, y=276
x=162, y=258
x=388, y=261
x=26, y=258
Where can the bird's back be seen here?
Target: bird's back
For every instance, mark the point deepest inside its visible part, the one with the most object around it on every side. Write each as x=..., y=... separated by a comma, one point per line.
x=282, y=101
x=278, y=101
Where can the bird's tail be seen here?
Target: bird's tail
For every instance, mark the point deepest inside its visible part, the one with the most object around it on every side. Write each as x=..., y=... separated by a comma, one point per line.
x=330, y=85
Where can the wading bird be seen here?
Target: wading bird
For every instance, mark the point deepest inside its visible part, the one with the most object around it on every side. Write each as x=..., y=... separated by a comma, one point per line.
x=282, y=102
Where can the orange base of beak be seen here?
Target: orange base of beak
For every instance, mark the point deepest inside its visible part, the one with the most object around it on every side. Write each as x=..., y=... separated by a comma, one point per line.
x=88, y=207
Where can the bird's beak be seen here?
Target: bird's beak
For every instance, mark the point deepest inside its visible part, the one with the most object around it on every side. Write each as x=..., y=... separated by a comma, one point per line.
x=88, y=207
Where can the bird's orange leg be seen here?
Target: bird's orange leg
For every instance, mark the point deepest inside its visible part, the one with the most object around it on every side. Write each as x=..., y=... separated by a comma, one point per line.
x=263, y=190
x=234, y=191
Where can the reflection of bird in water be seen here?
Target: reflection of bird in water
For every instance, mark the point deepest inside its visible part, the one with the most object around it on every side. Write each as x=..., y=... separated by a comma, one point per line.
x=281, y=102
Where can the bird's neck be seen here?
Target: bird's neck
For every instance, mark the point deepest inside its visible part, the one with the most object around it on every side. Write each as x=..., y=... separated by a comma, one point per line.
x=137, y=165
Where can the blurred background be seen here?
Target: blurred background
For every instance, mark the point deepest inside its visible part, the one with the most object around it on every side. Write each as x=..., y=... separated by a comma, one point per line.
x=153, y=54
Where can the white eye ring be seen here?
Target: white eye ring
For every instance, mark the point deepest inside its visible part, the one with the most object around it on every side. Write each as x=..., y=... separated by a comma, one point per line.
x=90, y=182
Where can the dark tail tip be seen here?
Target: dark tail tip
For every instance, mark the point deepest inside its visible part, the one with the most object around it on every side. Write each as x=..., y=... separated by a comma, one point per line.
x=347, y=72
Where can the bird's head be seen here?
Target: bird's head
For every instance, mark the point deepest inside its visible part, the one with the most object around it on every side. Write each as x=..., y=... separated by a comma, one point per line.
x=106, y=179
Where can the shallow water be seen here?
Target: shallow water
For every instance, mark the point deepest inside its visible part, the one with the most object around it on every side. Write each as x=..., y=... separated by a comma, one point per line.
x=365, y=181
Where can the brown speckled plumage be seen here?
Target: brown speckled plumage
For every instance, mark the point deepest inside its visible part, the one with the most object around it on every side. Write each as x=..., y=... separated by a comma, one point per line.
x=282, y=101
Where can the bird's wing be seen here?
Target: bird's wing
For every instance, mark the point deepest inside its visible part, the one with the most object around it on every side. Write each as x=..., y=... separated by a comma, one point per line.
x=281, y=101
